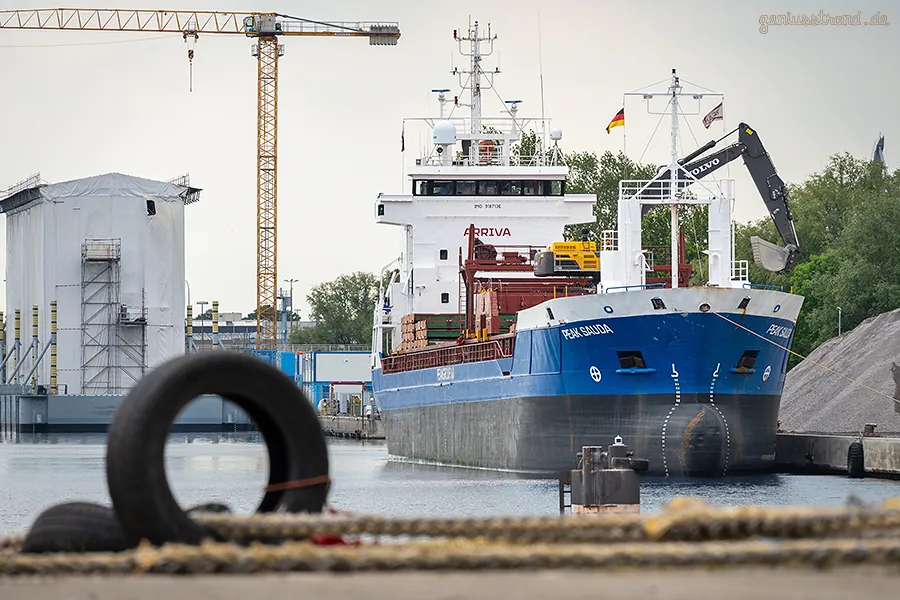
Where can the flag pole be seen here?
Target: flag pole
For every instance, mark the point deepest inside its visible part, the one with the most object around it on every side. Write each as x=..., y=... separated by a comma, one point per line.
x=624, y=147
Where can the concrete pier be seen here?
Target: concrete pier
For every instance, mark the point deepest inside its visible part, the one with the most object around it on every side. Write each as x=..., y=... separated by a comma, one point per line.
x=361, y=428
x=662, y=584
x=825, y=453
x=26, y=413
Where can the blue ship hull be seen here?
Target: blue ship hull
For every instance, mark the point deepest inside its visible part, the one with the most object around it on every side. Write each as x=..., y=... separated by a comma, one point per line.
x=690, y=410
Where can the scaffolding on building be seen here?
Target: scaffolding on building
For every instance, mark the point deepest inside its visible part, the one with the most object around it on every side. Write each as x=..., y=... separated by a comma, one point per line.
x=113, y=336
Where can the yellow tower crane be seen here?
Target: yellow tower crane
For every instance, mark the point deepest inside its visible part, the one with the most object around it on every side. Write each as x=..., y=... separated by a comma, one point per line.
x=266, y=28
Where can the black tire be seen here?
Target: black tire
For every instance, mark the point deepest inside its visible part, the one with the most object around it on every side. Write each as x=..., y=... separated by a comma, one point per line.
x=76, y=527
x=856, y=463
x=136, y=441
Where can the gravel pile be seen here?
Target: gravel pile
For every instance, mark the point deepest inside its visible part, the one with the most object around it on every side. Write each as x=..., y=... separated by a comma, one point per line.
x=816, y=400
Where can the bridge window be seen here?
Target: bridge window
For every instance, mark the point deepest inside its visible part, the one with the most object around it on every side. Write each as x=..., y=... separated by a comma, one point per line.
x=511, y=188
x=445, y=298
x=465, y=188
x=424, y=187
x=443, y=254
x=553, y=188
x=488, y=188
x=442, y=188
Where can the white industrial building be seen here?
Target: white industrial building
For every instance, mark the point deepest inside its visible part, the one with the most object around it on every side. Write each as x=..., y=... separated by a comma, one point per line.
x=110, y=251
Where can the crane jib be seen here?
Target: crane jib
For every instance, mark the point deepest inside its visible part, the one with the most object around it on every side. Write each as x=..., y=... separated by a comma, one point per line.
x=265, y=26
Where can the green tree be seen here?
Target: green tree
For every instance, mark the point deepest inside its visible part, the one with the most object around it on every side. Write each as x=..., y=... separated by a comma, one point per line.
x=846, y=217
x=590, y=174
x=342, y=309
x=267, y=310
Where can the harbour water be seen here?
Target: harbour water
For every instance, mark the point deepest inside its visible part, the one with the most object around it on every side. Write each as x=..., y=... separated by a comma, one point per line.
x=37, y=472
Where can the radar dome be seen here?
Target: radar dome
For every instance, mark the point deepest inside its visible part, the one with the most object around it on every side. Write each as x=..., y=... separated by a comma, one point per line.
x=556, y=134
x=444, y=133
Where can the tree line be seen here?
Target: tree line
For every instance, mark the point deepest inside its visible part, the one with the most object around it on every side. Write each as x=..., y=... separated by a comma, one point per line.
x=846, y=217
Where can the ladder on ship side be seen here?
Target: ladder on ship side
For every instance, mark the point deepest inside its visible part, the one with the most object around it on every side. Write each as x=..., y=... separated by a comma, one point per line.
x=462, y=303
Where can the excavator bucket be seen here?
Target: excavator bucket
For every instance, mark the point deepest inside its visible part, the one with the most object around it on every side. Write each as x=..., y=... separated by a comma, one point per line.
x=769, y=256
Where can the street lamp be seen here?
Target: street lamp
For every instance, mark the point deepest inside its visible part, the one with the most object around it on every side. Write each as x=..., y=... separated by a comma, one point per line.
x=291, y=296
x=839, y=321
x=202, y=303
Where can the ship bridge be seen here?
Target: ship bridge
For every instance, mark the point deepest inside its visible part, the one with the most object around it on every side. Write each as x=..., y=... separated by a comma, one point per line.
x=505, y=175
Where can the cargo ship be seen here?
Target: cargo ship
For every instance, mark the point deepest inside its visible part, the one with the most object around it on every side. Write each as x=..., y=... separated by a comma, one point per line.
x=499, y=344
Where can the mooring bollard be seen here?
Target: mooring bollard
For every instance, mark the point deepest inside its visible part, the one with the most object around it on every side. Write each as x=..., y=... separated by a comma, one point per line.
x=607, y=481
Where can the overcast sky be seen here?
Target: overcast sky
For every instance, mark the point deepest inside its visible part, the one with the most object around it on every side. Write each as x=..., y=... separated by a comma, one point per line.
x=77, y=104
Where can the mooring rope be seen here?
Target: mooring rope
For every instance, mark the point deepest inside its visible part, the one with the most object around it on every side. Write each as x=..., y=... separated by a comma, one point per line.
x=683, y=520
x=684, y=533
x=454, y=554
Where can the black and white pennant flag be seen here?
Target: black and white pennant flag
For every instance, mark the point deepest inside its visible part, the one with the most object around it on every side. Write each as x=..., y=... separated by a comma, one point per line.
x=715, y=114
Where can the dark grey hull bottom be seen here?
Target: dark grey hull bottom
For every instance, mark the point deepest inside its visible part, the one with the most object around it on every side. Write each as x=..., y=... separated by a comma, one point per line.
x=736, y=434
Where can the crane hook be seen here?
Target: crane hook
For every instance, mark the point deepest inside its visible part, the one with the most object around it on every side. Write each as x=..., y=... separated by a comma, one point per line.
x=190, y=38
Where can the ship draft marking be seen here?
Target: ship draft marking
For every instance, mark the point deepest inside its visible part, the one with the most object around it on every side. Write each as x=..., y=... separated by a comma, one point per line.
x=668, y=416
x=712, y=403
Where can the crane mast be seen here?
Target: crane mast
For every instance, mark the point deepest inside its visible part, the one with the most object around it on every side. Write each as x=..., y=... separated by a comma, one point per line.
x=265, y=27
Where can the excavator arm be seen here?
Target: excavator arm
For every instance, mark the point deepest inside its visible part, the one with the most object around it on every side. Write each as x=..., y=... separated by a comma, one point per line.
x=766, y=255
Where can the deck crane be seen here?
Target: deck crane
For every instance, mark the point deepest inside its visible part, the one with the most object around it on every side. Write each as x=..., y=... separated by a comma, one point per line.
x=766, y=255
x=266, y=28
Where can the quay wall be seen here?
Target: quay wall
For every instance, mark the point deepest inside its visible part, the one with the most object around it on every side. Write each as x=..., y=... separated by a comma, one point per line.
x=824, y=453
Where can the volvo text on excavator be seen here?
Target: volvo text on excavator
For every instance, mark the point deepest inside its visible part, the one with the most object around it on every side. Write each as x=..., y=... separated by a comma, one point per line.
x=766, y=255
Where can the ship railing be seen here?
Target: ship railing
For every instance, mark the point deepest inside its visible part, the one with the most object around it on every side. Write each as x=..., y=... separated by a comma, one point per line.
x=485, y=155
x=448, y=356
x=510, y=253
x=609, y=239
x=762, y=286
x=656, y=191
x=491, y=128
x=740, y=270
x=639, y=286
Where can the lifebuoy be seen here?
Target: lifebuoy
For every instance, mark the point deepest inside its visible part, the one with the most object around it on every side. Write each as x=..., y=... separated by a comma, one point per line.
x=486, y=151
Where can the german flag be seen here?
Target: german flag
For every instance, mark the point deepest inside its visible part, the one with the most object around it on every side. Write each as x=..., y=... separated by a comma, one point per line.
x=618, y=120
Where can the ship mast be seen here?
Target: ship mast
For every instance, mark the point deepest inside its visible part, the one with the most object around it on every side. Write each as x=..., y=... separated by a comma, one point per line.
x=674, y=89
x=474, y=74
x=676, y=171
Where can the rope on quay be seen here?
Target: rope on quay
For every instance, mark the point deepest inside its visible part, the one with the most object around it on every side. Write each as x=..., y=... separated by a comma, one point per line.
x=683, y=520
x=217, y=557
x=145, y=531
